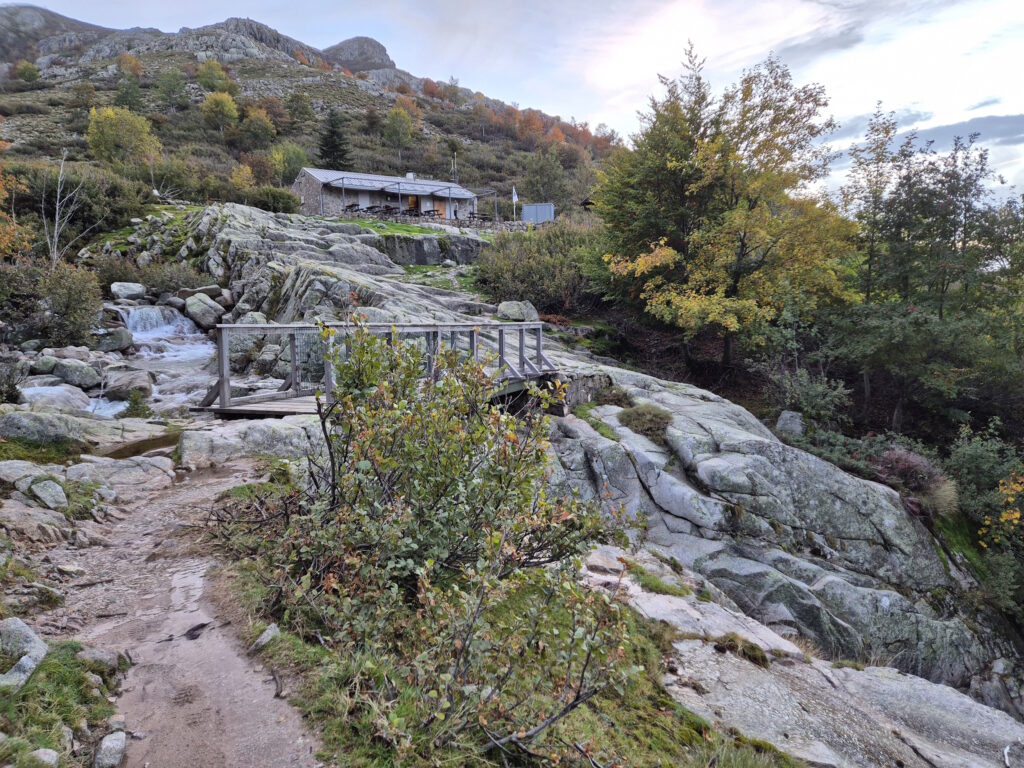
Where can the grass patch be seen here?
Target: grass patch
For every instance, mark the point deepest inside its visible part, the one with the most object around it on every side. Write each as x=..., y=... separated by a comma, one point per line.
x=848, y=664
x=584, y=411
x=393, y=227
x=17, y=448
x=81, y=499
x=649, y=582
x=733, y=643
x=704, y=595
x=58, y=693
x=648, y=420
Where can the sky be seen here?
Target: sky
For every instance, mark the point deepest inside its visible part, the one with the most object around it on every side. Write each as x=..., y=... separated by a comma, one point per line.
x=946, y=67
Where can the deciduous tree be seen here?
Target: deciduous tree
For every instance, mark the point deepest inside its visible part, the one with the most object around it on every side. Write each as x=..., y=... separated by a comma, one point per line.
x=219, y=110
x=119, y=137
x=398, y=130
x=708, y=213
x=256, y=131
x=170, y=86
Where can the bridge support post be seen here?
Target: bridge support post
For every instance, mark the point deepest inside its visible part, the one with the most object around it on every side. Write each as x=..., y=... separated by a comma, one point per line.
x=224, y=366
x=293, y=353
x=329, y=369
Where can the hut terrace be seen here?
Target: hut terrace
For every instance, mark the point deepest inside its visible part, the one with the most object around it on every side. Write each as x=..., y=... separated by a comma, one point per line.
x=325, y=192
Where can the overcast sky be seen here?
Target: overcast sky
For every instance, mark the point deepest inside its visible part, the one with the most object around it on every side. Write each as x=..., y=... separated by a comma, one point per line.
x=946, y=67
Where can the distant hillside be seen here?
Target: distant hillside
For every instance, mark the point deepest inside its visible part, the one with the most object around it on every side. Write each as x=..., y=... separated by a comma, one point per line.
x=23, y=27
x=491, y=141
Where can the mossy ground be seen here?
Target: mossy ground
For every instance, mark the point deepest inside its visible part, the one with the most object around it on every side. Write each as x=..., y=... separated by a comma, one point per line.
x=646, y=419
x=38, y=453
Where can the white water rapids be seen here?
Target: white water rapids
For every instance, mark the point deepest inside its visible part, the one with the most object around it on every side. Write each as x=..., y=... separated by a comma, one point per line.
x=173, y=349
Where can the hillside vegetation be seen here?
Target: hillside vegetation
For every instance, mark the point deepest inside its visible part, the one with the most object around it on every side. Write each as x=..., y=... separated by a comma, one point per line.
x=225, y=125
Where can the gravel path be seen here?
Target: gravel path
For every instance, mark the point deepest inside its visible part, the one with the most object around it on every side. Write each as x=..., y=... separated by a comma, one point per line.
x=191, y=698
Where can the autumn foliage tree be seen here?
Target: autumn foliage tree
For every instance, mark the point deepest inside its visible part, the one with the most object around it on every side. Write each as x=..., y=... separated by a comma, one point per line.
x=121, y=138
x=13, y=238
x=709, y=217
x=219, y=110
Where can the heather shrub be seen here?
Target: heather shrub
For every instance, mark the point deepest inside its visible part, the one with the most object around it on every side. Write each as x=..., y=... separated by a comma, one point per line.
x=903, y=468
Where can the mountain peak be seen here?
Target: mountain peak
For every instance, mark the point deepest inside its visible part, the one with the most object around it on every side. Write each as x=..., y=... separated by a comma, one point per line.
x=359, y=54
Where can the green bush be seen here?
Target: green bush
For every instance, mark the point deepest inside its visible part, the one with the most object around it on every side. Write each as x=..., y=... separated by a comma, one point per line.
x=19, y=301
x=166, y=277
x=115, y=268
x=427, y=552
x=73, y=302
x=106, y=200
x=823, y=401
x=977, y=462
x=272, y=199
x=648, y=420
x=170, y=276
x=27, y=71
x=545, y=267
x=136, y=408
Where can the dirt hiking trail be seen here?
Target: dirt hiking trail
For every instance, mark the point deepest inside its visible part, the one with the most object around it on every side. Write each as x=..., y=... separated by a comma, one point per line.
x=192, y=697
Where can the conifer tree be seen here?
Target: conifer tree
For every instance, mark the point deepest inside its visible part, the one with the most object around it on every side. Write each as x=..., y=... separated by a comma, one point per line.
x=334, y=152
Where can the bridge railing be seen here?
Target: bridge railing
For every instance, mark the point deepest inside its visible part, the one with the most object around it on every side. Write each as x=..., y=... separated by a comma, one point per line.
x=296, y=354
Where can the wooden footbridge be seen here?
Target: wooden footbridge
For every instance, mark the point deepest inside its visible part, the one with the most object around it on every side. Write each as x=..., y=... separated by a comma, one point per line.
x=513, y=352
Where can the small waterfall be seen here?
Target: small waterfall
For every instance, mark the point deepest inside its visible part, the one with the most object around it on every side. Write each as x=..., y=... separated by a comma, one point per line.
x=148, y=322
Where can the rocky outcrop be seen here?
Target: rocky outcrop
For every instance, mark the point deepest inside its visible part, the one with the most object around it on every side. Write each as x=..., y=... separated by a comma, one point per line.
x=431, y=249
x=24, y=27
x=48, y=428
x=359, y=54
x=800, y=545
x=834, y=715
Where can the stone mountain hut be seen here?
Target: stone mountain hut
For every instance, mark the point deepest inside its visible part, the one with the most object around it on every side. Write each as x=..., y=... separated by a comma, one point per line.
x=325, y=192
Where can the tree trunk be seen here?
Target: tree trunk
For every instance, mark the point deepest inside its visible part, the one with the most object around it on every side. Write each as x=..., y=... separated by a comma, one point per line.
x=866, y=381
x=897, y=416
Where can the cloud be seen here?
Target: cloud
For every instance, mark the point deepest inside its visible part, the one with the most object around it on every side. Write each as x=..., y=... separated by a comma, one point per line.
x=986, y=103
x=1000, y=130
x=799, y=51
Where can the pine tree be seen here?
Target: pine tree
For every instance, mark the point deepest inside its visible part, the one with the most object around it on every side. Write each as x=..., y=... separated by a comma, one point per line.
x=334, y=152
